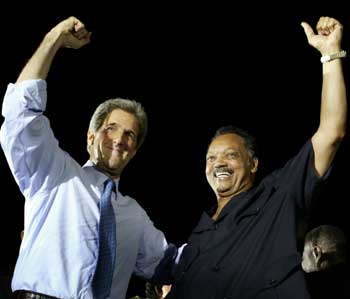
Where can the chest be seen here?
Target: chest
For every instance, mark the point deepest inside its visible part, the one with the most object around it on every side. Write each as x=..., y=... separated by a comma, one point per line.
x=239, y=247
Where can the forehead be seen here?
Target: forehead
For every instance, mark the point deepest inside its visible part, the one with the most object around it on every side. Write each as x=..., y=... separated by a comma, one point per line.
x=227, y=141
x=123, y=119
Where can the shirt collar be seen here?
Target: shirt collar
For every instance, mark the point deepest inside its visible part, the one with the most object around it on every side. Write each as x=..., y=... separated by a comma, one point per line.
x=235, y=203
x=232, y=207
x=97, y=176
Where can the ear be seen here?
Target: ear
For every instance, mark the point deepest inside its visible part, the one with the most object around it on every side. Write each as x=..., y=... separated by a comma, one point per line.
x=255, y=164
x=90, y=138
x=317, y=252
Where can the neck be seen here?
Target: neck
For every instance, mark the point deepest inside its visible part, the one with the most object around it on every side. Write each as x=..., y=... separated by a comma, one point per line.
x=224, y=199
x=222, y=202
x=106, y=172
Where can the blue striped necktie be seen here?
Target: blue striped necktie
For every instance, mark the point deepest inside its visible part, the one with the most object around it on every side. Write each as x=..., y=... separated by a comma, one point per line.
x=102, y=281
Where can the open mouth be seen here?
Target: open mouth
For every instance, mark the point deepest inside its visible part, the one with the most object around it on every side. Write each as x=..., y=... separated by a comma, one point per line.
x=223, y=172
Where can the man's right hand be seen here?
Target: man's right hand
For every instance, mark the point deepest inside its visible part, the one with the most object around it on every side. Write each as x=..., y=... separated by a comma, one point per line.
x=72, y=33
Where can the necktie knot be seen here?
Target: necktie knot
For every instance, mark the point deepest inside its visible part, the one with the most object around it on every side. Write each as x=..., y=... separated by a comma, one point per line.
x=109, y=186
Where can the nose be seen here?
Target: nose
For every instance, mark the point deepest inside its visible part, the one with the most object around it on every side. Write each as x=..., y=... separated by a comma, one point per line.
x=220, y=162
x=118, y=137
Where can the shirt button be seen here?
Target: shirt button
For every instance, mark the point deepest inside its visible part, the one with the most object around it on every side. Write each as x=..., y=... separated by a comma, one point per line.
x=272, y=281
x=216, y=268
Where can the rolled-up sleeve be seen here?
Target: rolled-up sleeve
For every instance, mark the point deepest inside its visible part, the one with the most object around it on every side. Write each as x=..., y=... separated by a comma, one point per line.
x=27, y=96
x=26, y=137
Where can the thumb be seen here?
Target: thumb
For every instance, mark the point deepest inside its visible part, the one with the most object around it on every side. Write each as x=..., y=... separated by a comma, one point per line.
x=308, y=30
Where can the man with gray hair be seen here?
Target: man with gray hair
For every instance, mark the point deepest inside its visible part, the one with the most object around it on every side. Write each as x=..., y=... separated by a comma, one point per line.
x=61, y=248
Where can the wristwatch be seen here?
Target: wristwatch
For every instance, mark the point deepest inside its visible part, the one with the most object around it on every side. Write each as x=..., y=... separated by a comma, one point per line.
x=331, y=57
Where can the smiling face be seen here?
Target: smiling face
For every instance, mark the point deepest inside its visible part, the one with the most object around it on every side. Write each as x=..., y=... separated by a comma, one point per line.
x=115, y=143
x=230, y=169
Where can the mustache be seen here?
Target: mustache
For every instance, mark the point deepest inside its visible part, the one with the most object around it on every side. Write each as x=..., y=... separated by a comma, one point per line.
x=223, y=169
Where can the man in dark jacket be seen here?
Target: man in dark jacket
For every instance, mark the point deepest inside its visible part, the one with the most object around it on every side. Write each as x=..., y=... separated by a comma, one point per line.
x=246, y=247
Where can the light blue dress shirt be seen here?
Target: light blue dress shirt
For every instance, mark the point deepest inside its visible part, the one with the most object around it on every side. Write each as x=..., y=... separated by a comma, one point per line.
x=58, y=254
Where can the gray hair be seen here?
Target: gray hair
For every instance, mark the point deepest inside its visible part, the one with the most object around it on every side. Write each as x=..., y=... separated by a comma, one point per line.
x=127, y=105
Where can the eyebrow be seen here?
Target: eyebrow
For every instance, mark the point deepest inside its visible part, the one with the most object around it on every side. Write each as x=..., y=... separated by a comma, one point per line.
x=225, y=151
x=114, y=124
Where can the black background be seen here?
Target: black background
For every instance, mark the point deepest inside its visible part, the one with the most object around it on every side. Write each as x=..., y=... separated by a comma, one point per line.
x=194, y=69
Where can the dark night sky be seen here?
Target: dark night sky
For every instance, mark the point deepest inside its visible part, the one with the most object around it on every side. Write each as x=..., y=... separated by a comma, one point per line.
x=193, y=71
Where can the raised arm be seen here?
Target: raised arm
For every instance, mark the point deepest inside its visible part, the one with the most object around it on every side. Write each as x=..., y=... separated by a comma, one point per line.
x=32, y=151
x=70, y=33
x=331, y=130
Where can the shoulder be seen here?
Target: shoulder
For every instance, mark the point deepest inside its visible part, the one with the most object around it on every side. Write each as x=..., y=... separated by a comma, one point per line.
x=131, y=204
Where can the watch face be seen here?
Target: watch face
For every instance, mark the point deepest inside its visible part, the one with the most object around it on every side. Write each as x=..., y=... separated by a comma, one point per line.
x=325, y=58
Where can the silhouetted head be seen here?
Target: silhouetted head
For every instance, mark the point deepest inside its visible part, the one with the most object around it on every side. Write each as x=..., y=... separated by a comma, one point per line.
x=325, y=246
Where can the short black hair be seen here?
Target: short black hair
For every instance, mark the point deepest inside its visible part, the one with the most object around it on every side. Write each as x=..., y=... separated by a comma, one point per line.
x=249, y=140
x=333, y=239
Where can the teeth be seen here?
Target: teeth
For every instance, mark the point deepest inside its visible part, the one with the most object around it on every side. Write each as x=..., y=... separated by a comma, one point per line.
x=223, y=174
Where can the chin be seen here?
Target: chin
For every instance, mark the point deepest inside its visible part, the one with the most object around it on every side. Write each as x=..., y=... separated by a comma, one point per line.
x=307, y=268
x=113, y=168
x=113, y=165
x=224, y=193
